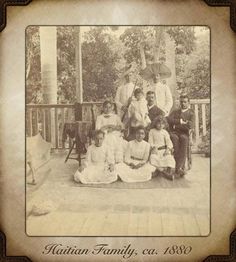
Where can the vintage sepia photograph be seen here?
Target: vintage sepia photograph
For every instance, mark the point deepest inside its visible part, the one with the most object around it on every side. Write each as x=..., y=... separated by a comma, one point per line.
x=118, y=130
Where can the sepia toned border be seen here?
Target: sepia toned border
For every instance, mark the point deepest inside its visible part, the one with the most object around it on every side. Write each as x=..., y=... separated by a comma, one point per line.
x=221, y=258
x=3, y=9
x=231, y=4
x=4, y=257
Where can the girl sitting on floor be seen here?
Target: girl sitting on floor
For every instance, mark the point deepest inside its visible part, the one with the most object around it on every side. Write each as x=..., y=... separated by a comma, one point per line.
x=111, y=125
x=161, y=148
x=98, y=167
x=136, y=167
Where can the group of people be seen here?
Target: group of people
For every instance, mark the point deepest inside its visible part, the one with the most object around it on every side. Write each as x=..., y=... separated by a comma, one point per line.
x=156, y=142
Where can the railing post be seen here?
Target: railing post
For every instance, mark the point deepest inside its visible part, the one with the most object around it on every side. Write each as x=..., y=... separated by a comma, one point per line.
x=30, y=122
x=62, y=123
x=48, y=125
x=204, y=119
x=56, y=127
x=43, y=124
x=196, y=123
x=78, y=111
x=36, y=121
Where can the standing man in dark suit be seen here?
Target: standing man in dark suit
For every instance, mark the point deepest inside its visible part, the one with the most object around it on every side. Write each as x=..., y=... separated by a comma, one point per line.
x=153, y=110
x=180, y=122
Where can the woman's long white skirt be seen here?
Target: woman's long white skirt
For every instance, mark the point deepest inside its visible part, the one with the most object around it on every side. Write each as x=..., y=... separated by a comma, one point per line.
x=117, y=144
x=129, y=175
x=95, y=174
x=159, y=160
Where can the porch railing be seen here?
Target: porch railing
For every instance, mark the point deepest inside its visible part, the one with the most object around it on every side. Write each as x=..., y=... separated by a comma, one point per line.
x=49, y=120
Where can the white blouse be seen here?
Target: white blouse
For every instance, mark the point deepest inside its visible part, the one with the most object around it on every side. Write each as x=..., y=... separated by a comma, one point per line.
x=123, y=93
x=160, y=138
x=138, y=113
x=99, y=155
x=111, y=119
x=137, y=151
x=164, y=98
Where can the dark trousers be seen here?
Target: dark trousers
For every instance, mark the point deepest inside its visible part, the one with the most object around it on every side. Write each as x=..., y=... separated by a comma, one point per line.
x=180, y=143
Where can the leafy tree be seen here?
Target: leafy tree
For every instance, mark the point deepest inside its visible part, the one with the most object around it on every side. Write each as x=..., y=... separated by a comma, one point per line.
x=66, y=75
x=192, y=54
x=150, y=37
x=65, y=65
x=99, y=62
x=184, y=37
x=105, y=54
x=33, y=66
x=194, y=69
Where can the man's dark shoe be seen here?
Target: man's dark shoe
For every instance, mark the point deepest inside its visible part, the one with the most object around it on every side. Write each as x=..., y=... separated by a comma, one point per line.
x=168, y=175
x=156, y=173
x=180, y=172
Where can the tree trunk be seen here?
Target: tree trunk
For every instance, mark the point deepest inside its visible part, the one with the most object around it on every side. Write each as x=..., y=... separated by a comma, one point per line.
x=142, y=55
x=170, y=62
x=48, y=46
x=78, y=66
x=157, y=47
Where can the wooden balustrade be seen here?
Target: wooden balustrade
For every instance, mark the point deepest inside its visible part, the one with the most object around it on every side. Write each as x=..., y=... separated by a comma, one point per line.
x=44, y=118
x=201, y=109
x=49, y=119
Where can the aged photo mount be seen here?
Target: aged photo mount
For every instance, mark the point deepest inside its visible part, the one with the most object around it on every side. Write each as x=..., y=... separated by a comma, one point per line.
x=14, y=213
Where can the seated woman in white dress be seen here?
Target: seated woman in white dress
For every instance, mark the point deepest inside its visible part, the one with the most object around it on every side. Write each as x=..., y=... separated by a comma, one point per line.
x=161, y=148
x=112, y=126
x=98, y=167
x=136, y=167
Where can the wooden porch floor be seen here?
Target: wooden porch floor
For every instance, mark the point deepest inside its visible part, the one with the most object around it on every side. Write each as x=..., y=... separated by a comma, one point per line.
x=157, y=208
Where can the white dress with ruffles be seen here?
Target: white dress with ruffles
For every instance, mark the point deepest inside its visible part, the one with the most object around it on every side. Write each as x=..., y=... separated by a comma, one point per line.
x=136, y=152
x=97, y=166
x=159, y=139
x=113, y=139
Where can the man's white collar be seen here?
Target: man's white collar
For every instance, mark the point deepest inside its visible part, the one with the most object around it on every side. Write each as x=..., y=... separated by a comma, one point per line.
x=184, y=110
x=149, y=107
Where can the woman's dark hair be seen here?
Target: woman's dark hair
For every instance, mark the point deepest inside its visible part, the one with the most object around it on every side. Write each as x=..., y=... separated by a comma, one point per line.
x=183, y=96
x=138, y=91
x=107, y=102
x=150, y=93
x=97, y=132
x=140, y=128
x=159, y=119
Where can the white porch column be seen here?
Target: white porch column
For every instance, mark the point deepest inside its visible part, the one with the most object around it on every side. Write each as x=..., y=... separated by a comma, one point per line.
x=48, y=49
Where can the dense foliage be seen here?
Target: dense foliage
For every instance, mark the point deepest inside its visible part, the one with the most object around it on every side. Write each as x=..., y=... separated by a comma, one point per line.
x=100, y=56
x=33, y=67
x=107, y=50
x=66, y=64
x=193, y=70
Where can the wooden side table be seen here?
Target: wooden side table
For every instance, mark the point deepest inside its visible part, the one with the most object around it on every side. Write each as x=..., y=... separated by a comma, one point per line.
x=80, y=132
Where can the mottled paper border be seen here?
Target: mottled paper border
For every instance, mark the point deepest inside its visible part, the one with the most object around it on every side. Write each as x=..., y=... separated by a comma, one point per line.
x=3, y=10
x=232, y=5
